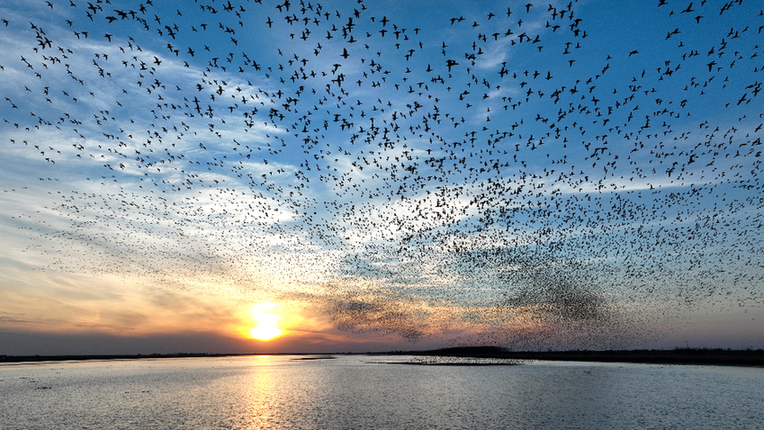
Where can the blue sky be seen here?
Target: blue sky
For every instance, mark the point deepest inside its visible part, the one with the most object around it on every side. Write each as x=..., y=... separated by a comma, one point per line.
x=553, y=175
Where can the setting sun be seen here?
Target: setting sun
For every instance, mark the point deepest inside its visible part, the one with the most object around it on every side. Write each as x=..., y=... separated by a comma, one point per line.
x=266, y=322
x=265, y=333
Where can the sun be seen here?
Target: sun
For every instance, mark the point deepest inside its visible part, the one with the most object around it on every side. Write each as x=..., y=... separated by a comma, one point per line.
x=265, y=333
x=266, y=322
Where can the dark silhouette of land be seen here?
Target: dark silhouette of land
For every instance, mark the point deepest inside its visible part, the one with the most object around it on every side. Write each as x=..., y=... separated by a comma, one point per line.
x=695, y=356
x=705, y=356
x=41, y=358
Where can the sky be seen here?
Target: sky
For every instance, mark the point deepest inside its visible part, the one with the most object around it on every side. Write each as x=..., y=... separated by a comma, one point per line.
x=372, y=176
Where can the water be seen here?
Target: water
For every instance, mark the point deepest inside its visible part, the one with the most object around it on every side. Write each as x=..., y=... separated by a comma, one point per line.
x=365, y=392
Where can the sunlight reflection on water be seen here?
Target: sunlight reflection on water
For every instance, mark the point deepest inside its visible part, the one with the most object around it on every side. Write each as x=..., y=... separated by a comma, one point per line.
x=363, y=392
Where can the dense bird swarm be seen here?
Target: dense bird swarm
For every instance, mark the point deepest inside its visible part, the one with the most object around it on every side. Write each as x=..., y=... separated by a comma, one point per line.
x=509, y=173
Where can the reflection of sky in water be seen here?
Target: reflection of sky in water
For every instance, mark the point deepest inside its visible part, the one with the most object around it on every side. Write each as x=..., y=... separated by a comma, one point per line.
x=360, y=392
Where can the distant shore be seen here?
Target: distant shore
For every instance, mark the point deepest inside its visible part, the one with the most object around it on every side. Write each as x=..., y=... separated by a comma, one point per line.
x=84, y=357
x=692, y=356
x=695, y=356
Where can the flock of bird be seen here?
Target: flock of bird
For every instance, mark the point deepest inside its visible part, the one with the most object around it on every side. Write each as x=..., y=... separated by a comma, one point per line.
x=511, y=175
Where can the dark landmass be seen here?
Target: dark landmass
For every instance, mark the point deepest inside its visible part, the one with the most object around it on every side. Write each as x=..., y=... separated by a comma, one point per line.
x=41, y=358
x=325, y=357
x=696, y=356
x=705, y=356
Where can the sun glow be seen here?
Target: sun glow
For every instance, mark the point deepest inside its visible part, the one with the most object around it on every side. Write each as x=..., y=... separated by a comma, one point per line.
x=266, y=322
x=265, y=333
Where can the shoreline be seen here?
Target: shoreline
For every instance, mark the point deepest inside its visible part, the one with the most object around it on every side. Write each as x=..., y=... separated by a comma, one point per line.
x=687, y=356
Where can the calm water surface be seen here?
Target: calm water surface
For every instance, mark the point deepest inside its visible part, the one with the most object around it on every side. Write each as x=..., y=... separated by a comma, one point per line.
x=352, y=392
